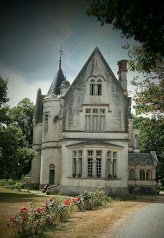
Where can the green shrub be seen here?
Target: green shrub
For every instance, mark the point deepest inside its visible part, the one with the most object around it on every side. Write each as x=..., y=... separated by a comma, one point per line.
x=7, y=182
x=89, y=200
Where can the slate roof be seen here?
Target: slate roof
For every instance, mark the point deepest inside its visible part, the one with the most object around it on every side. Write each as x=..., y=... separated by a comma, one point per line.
x=38, y=113
x=142, y=158
x=56, y=83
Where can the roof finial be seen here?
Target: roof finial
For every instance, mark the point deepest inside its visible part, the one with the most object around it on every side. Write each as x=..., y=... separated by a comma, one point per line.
x=60, y=52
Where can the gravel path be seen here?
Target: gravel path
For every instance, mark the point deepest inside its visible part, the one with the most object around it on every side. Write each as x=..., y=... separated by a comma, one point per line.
x=147, y=222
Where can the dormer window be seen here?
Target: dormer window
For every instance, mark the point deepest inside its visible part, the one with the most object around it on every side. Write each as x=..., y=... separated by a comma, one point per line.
x=96, y=87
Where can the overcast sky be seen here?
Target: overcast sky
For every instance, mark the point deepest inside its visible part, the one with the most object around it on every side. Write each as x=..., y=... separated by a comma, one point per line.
x=32, y=33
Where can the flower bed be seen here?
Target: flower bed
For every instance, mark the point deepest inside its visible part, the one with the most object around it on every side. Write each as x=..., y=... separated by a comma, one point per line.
x=32, y=223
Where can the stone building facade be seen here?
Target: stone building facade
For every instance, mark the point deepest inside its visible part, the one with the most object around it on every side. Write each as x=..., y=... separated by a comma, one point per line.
x=84, y=136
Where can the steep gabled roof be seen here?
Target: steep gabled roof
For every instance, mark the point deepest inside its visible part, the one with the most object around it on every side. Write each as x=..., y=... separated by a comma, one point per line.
x=96, y=51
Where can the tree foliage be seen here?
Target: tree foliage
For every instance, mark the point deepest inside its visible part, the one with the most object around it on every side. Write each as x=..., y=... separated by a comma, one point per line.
x=15, y=136
x=151, y=139
x=22, y=116
x=144, y=22
x=3, y=91
x=14, y=153
x=4, y=109
x=149, y=96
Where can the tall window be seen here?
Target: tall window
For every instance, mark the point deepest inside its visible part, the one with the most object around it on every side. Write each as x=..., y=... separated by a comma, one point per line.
x=131, y=174
x=142, y=174
x=46, y=122
x=96, y=87
x=109, y=154
x=92, y=87
x=149, y=174
x=74, y=165
x=98, y=162
x=99, y=87
x=95, y=119
x=90, y=167
x=77, y=163
x=90, y=163
x=114, y=172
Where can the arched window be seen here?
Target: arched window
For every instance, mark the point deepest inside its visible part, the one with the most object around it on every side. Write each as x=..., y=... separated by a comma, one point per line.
x=52, y=174
x=131, y=174
x=149, y=174
x=95, y=87
x=142, y=174
x=92, y=87
x=99, y=87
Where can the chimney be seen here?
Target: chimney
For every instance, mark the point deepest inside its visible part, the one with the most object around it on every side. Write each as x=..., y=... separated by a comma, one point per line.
x=122, y=73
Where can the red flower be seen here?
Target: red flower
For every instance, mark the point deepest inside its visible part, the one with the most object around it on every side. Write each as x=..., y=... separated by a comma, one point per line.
x=39, y=210
x=24, y=218
x=97, y=195
x=12, y=218
x=67, y=202
x=79, y=198
x=23, y=209
x=46, y=206
x=74, y=200
x=51, y=199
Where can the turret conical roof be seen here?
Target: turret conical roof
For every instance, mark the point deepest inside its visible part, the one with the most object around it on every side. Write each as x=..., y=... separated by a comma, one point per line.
x=57, y=81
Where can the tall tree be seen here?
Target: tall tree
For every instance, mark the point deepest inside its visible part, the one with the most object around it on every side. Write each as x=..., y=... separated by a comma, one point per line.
x=151, y=139
x=15, y=156
x=15, y=136
x=149, y=96
x=22, y=116
x=3, y=91
x=4, y=109
x=144, y=22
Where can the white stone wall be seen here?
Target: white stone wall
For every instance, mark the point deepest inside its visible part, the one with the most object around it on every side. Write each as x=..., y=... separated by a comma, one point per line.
x=51, y=107
x=66, y=165
x=35, y=167
x=51, y=152
x=112, y=99
x=50, y=156
x=36, y=162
